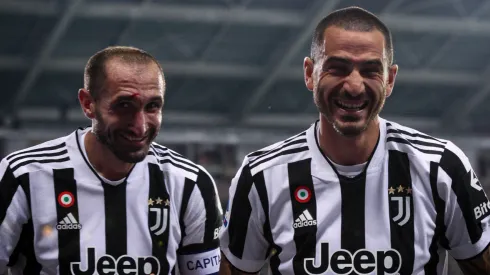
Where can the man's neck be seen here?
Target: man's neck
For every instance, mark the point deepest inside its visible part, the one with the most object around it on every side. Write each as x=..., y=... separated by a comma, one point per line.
x=348, y=150
x=103, y=160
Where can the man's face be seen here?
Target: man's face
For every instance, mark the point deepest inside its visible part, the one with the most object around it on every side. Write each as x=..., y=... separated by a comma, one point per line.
x=128, y=113
x=350, y=79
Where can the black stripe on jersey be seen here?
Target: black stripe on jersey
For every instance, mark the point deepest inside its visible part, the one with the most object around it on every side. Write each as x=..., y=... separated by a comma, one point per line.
x=115, y=219
x=305, y=228
x=68, y=239
x=172, y=161
x=353, y=192
x=40, y=155
x=285, y=145
x=32, y=265
x=25, y=245
x=401, y=209
x=188, y=188
x=417, y=142
x=238, y=226
x=440, y=230
x=26, y=248
x=404, y=141
x=40, y=161
x=468, y=197
x=283, y=153
x=176, y=157
x=8, y=186
x=392, y=130
x=281, y=145
x=274, y=250
x=205, y=185
x=42, y=149
x=159, y=205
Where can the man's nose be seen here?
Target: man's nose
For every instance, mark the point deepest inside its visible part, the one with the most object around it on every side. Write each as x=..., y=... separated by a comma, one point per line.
x=138, y=125
x=354, y=84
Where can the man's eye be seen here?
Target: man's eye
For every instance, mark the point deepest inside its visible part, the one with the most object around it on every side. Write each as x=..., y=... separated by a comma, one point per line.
x=337, y=70
x=123, y=105
x=153, y=106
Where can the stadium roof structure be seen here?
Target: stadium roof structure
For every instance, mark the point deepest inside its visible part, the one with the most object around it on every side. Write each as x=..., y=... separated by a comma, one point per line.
x=239, y=62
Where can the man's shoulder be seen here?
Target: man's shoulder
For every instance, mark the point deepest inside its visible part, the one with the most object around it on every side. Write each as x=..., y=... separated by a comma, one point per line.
x=39, y=156
x=291, y=149
x=420, y=144
x=174, y=163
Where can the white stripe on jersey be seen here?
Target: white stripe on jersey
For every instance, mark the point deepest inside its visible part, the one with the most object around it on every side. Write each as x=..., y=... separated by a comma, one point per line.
x=377, y=218
x=193, y=207
x=44, y=199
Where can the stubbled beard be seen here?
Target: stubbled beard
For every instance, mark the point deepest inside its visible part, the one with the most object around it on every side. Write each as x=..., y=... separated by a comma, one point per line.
x=349, y=131
x=106, y=136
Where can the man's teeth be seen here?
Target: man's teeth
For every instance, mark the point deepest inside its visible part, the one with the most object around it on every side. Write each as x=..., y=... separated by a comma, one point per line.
x=350, y=106
x=130, y=138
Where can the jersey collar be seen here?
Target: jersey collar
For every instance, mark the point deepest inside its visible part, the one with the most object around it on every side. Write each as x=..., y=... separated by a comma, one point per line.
x=322, y=169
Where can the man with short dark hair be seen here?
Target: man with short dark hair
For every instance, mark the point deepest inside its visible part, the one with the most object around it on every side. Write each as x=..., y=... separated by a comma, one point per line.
x=107, y=199
x=355, y=193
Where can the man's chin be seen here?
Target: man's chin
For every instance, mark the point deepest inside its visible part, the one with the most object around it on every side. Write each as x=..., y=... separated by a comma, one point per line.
x=350, y=129
x=133, y=156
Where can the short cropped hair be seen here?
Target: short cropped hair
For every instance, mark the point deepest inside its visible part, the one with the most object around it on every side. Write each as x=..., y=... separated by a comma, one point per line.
x=351, y=19
x=95, y=73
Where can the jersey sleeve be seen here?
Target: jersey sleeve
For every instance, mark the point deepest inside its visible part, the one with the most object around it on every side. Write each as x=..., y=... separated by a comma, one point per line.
x=200, y=219
x=243, y=242
x=467, y=208
x=14, y=213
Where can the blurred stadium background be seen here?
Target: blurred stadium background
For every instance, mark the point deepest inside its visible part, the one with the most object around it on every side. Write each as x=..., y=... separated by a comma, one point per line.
x=234, y=70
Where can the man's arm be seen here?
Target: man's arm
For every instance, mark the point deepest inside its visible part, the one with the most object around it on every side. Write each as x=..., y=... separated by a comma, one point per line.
x=14, y=213
x=243, y=243
x=202, y=218
x=479, y=265
x=226, y=268
x=467, y=215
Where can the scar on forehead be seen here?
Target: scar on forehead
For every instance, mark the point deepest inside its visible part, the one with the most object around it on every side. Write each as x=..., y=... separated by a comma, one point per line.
x=134, y=95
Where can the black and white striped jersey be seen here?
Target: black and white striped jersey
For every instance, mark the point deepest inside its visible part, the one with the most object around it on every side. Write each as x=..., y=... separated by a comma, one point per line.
x=58, y=216
x=417, y=199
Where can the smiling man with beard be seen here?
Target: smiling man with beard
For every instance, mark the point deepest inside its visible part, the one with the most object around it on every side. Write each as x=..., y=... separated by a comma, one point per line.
x=107, y=199
x=355, y=193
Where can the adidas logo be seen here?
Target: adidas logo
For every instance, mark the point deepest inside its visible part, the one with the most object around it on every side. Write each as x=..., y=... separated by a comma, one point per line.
x=305, y=219
x=69, y=223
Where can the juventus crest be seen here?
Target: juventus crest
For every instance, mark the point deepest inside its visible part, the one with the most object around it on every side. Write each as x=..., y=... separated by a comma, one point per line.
x=158, y=215
x=400, y=204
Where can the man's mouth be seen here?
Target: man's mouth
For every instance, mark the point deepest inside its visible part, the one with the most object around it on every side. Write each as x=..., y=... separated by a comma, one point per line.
x=351, y=106
x=133, y=138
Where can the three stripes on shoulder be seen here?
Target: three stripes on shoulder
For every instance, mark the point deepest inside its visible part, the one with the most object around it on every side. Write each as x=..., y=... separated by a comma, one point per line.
x=419, y=141
x=165, y=155
x=45, y=154
x=291, y=146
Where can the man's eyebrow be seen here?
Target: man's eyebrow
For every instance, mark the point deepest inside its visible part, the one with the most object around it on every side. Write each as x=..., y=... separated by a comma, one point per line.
x=133, y=96
x=373, y=62
x=338, y=59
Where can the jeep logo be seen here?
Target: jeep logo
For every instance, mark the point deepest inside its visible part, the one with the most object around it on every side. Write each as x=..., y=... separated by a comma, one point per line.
x=124, y=265
x=362, y=262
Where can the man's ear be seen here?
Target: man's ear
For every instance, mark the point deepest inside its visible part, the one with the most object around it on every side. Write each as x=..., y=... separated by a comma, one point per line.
x=392, y=71
x=87, y=103
x=308, y=73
